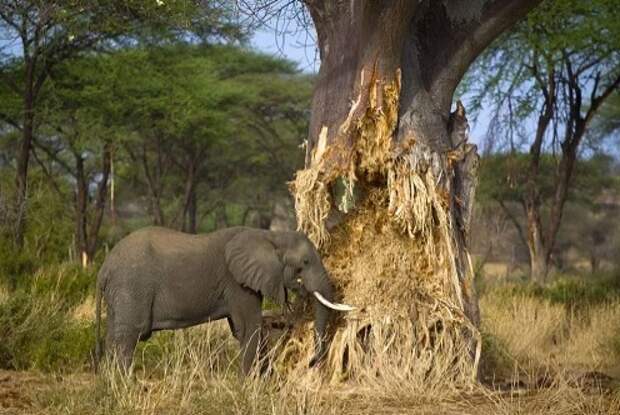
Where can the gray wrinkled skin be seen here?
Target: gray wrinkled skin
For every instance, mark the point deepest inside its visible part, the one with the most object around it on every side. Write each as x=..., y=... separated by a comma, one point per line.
x=160, y=279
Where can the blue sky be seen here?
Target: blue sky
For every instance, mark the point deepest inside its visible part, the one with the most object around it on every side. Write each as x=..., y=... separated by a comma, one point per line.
x=298, y=47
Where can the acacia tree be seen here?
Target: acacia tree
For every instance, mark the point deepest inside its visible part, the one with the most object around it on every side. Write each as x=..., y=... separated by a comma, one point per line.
x=503, y=183
x=208, y=125
x=389, y=176
x=557, y=80
x=38, y=35
x=75, y=143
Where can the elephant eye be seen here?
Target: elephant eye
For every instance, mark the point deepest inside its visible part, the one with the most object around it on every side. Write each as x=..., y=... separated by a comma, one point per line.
x=306, y=261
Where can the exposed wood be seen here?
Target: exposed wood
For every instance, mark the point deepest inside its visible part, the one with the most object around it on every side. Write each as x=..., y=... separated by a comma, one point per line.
x=381, y=122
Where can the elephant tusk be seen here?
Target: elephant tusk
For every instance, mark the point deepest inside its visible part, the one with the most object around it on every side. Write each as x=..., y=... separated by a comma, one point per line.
x=334, y=306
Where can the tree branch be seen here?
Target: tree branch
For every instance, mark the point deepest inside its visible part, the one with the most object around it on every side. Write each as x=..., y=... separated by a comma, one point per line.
x=46, y=171
x=102, y=188
x=598, y=101
x=54, y=157
x=448, y=53
x=513, y=219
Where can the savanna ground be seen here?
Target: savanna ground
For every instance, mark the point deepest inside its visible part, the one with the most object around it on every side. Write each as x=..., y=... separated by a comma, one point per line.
x=551, y=350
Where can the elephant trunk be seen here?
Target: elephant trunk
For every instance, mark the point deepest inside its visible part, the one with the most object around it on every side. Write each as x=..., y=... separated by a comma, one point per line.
x=321, y=318
x=323, y=297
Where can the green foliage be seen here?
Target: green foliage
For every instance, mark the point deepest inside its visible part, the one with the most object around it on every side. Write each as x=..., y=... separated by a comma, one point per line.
x=36, y=333
x=14, y=263
x=502, y=177
x=234, y=115
x=496, y=360
x=608, y=124
x=69, y=284
x=48, y=236
x=509, y=79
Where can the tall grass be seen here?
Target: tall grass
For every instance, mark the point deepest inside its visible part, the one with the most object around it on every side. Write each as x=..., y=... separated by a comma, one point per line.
x=550, y=353
x=37, y=328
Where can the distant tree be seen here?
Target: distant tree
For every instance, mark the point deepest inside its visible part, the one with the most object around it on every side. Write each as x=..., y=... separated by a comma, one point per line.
x=211, y=124
x=607, y=125
x=502, y=184
x=42, y=34
x=558, y=80
x=592, y=229
x=75, y=142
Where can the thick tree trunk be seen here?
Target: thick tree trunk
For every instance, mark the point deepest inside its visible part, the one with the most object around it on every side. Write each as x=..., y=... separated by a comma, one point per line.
x=390, y=178
x=536, y=243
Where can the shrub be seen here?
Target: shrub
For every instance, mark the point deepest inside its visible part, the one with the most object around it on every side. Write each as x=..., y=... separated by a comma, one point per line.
x=49, y=231
x=67, y=283
x=14, y=263
x=37, y=330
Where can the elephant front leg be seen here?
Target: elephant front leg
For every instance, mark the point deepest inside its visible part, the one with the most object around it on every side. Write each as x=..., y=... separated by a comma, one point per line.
x=245, y=322
x=250, y=349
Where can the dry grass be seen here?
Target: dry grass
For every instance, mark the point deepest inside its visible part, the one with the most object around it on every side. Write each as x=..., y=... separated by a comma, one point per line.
x=195, y=371
x=537, y=338
x=85, y=310
x=4, y=293
x=409, y=327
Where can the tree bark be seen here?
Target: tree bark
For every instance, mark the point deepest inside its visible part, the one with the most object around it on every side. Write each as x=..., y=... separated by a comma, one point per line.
x=385, y=155
x=99, y=202
x=23, y=157
x=192, y=211
x=81, y=207
x=153, y=180
x=188, y=195
x=87, y=237
x=539, y=255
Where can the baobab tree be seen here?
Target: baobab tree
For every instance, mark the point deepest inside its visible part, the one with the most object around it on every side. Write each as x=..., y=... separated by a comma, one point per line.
x=389, y=176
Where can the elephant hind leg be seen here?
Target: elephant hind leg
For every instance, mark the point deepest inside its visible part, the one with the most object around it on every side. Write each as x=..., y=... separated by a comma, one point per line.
x=125, y=341
x=131, y=323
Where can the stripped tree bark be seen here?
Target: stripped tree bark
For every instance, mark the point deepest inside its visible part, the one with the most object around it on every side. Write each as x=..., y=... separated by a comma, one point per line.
x=389, y=171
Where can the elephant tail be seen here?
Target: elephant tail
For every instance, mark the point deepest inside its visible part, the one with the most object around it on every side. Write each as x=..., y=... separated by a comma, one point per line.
x=98, y=295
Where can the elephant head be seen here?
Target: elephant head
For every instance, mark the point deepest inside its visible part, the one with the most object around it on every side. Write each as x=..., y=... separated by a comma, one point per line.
x=273, y=262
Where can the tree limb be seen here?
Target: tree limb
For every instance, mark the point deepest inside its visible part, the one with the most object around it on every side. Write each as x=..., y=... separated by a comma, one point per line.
x=448, y=53
x=513, y=219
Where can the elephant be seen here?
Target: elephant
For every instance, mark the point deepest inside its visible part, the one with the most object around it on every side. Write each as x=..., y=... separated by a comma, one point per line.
x=160, y=279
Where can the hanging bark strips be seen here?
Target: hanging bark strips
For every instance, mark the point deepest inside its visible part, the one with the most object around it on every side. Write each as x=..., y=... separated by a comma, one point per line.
x=389, y=183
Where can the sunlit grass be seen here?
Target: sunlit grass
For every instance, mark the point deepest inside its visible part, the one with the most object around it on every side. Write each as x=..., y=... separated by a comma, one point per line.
x=540, y=357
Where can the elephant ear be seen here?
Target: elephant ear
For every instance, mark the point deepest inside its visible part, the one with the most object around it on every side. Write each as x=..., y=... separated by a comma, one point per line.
x=254, y=263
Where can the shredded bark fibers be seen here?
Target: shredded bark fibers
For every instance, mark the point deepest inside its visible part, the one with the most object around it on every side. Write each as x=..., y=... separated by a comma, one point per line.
x=312, y=204
x=393, y=256
x=369, y=158
x=376, y=127
x=409, y=321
